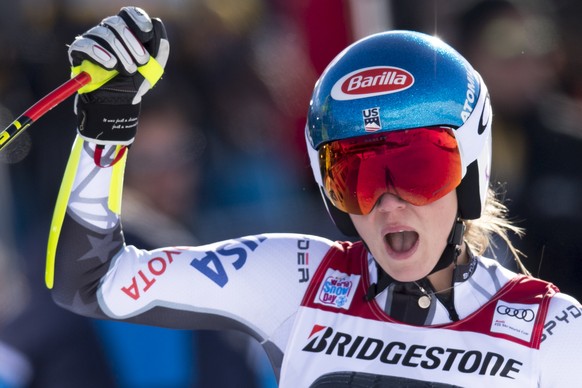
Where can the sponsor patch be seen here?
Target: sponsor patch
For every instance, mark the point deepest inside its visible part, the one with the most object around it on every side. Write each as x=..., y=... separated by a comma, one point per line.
x=403, y=353
x=371, y=81
x=337, y=289
x=514, y=319
x=372, y=119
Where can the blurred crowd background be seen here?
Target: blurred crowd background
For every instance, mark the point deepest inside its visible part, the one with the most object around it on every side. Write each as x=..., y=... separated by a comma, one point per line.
x=220, y=154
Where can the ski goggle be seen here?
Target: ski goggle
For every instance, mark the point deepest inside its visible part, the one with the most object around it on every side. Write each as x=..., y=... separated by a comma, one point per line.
x=418, y=165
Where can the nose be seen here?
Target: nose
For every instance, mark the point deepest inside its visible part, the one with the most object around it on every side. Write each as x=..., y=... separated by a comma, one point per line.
x=389, y=202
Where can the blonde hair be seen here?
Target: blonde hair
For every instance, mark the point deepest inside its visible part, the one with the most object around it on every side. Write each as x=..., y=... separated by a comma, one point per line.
x=494, y=221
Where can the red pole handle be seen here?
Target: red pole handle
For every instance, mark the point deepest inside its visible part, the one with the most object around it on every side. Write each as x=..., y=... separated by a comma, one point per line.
x=45, y=104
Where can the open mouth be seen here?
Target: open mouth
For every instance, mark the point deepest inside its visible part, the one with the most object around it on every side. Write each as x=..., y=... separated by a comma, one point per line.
x=401, y=242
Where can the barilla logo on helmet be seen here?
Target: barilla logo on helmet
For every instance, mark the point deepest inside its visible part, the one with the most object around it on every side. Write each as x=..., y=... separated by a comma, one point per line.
x=371, y=81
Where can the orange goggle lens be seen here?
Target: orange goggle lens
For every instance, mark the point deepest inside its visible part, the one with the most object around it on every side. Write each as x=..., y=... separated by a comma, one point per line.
x=418, y=165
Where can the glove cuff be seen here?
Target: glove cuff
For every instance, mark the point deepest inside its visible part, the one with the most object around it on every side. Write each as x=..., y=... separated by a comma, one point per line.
x=107, y=124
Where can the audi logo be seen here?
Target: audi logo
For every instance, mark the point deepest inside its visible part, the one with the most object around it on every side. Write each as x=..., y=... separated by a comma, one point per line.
x=527, y=315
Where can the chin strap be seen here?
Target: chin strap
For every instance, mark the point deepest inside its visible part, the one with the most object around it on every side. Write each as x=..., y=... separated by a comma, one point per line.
x=450, y=254
x=453, y=248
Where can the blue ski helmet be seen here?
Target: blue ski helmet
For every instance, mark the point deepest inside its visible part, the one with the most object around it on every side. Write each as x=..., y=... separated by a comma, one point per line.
x=403, y=80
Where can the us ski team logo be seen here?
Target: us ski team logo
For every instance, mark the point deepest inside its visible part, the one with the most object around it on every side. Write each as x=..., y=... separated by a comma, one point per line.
x=372, y=119
x=337, y=289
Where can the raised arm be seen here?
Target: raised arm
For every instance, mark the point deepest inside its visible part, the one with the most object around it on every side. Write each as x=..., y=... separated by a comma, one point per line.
x=124, y=56
x=253, y=284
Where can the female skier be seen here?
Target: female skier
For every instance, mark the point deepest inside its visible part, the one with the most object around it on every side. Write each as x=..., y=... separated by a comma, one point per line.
x=399, y=137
